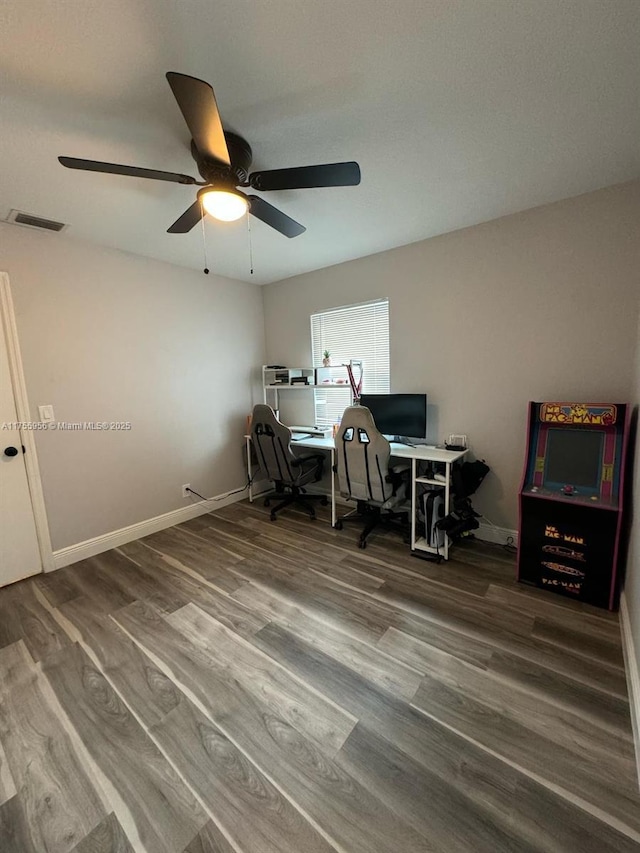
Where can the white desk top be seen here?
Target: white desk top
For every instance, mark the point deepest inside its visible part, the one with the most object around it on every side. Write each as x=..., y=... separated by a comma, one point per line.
x=401, y=451
x=429, y=454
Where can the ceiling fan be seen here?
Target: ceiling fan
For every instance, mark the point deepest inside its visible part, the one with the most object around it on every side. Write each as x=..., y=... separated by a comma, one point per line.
x=223, y=160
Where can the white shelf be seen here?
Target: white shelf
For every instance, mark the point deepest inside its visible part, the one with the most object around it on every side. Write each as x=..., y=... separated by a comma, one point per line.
x=326, y=385
x=431, y=482
x=421, y=545
x=299, y=386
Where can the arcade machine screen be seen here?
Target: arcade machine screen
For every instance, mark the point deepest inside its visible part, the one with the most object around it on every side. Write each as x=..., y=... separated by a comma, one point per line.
x=574, y=457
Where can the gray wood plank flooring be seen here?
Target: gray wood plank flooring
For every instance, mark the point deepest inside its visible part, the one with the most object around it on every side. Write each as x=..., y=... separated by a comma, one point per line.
x=107, y=837
x=163, y=807
x=210, y=840
x=233, y=685
x=56, y=798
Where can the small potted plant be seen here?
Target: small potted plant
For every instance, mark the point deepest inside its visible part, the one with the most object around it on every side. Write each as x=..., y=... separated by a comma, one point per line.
x=326, y=361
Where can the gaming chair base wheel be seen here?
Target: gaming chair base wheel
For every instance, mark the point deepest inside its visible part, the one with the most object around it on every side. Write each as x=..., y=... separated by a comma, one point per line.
x=362, y=543
x=338, y=525
x=272, y=516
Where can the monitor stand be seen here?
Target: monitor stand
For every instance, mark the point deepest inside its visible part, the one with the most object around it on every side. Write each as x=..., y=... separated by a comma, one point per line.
x=400, y=439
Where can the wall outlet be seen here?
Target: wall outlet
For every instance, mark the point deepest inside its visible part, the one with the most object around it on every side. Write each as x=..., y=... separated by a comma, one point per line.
x=185, y=490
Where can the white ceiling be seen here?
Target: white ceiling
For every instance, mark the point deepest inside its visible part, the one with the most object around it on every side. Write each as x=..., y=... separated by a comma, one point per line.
x=458, y=111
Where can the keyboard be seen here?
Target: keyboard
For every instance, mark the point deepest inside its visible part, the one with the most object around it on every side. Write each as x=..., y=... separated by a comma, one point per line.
x=312, y=431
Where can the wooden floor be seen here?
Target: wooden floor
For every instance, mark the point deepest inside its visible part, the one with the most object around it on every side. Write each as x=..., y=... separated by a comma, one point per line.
x=233, y=684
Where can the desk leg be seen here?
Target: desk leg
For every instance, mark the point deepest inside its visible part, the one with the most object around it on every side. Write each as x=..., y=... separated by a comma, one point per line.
x=333, y=488
x=447, y=506
x=414, y=474
x=248, y=453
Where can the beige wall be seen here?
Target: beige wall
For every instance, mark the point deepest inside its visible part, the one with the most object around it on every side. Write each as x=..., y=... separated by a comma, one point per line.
x=533, y=306
x=107, y=336
x=539, y=305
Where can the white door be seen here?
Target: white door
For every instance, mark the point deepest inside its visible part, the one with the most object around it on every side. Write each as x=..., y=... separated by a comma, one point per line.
x=19, y=552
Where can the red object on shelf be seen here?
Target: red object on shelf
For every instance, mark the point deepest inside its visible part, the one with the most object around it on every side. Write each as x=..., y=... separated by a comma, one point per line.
x=356, y=387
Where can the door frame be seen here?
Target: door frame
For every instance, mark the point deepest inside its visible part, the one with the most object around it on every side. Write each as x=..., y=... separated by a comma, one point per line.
x=8, y=319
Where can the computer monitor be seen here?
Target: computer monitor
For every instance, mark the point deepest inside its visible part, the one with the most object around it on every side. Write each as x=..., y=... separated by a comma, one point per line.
x=402, y=415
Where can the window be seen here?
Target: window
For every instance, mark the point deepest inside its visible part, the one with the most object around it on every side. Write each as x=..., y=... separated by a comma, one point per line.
x=355, y=331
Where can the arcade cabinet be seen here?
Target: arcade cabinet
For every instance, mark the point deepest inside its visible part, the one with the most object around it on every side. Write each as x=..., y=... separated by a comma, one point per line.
x=571, y=500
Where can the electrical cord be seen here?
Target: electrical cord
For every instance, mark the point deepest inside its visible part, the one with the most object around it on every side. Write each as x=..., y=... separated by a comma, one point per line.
x=221, y=497
x=507, y=546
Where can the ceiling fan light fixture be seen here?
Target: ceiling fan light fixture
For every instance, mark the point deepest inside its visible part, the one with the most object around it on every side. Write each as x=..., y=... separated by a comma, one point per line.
x=225, y=205
x=223, y=159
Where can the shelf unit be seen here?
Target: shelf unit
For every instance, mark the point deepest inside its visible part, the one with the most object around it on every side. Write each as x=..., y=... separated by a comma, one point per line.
x=441, y=457
x=275, y=380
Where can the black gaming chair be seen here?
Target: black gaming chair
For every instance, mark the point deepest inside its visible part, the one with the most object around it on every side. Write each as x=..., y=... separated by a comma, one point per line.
x=290, y=473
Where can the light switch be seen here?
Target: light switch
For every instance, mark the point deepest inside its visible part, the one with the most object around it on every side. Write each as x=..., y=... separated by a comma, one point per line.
x=46, y=414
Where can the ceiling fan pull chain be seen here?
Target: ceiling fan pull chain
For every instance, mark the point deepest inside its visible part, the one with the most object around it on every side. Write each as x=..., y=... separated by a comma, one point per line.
x=204, y=240
x=250, y=245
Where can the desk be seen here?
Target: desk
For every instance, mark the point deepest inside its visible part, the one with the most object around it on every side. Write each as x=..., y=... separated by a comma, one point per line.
x=421, y=453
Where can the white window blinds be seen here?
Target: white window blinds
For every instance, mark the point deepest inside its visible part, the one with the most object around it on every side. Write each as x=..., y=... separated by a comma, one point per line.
x=358, y=332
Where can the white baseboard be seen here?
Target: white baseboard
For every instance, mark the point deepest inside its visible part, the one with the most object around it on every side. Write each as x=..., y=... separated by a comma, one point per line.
x=499, y=535
x=91, y=547
x=633, y=674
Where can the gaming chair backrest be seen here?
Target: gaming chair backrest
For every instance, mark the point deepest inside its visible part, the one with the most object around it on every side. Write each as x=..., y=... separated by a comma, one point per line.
x=362, y=457
x=272, y=442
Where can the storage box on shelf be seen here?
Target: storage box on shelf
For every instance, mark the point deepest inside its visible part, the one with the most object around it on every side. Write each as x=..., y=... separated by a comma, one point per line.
x=283, y=375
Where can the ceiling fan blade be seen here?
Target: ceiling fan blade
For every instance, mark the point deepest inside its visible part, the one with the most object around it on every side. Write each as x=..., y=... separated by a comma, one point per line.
x=131, y=171
x=307, y=177
x=270, y=215
x=189, y=218
x=198, y=106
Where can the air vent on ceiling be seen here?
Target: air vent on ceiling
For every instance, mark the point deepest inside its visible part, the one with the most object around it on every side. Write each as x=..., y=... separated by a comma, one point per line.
x=32, y=221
